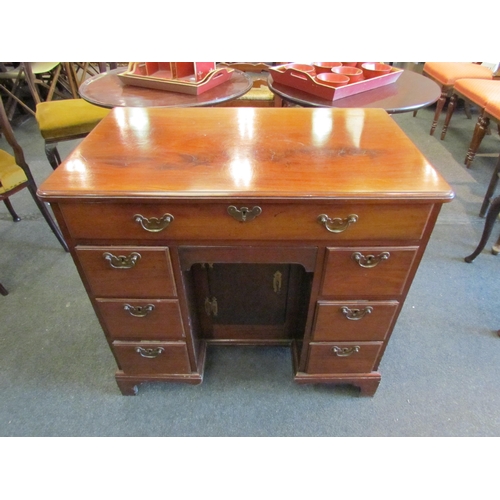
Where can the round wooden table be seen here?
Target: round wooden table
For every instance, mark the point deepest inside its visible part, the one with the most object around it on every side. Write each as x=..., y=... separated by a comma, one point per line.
x=108, y=91
x=410, y=92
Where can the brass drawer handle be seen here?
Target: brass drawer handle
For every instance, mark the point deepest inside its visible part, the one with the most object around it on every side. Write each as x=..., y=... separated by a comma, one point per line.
x=370, y=261
x=244, y=214
x=153, y=224
x=139, y=311
x=122, y=261
x=343, y=352
x=150, y=353
x=356, y=314
x=337, y=225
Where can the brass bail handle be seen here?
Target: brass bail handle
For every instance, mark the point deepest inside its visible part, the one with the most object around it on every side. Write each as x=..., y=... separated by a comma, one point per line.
x=139, y=311
x=344, y=352
x=122, y=261
x=370, y=261
x=244, y=214
x=154, y=224
x=337, y=225
x=150, y=353
x=356, y=314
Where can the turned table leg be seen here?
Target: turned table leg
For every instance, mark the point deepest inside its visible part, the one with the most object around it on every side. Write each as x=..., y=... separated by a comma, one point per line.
x=479, y=133
x=439, y=108
x=451, y=108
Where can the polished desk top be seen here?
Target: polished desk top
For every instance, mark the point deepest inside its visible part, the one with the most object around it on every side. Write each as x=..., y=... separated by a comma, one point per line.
x=245, y=153
x=411, y=91
x=108, y=91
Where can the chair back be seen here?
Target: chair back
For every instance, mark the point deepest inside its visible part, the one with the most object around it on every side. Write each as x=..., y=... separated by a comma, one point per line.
x=6, y=130
x=30, y=184
x=71, y=77
x=30, y=80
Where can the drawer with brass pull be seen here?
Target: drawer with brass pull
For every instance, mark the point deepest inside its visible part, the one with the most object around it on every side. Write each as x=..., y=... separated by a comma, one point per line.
x=127, y=271
x=136, y=358
x=142, y=319
x=342, y=357
x=357, y=272
x=353, y=321
x=245, y=220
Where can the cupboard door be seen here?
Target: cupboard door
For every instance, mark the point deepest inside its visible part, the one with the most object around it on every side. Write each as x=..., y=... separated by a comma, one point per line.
x=250, y=301
x=249, y=294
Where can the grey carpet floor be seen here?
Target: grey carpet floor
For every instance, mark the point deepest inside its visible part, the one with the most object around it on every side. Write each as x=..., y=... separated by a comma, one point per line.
x=440, y=371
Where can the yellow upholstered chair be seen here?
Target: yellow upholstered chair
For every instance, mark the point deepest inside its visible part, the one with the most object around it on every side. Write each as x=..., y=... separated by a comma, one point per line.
x=66, y=120
x=15, y=175
x=260, y=95
x=445, y=74
x=63, y=120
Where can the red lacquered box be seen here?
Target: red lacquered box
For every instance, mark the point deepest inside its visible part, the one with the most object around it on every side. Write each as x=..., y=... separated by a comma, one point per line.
x=307, y=82
x=184, y=77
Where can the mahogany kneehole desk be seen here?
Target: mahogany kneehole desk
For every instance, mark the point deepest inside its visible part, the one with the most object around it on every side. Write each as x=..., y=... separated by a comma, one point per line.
x=297, y=227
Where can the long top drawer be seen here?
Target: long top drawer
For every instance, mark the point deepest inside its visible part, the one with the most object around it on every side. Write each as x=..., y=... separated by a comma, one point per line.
x=244, y=221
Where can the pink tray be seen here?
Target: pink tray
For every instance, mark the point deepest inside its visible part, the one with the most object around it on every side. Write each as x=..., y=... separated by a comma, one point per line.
x=195, y=83
x=308, y=83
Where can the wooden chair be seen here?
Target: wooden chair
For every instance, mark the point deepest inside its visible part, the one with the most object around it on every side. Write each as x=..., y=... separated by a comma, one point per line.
x=445, y=74
x=63, y=120
x=80, y=71
x=52, y=79
x=16, y=175
x=481, y=93
x=259, y=95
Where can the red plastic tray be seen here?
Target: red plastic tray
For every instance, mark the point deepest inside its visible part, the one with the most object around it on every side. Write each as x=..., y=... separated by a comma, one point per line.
x=308, y=83
x=185, y=78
